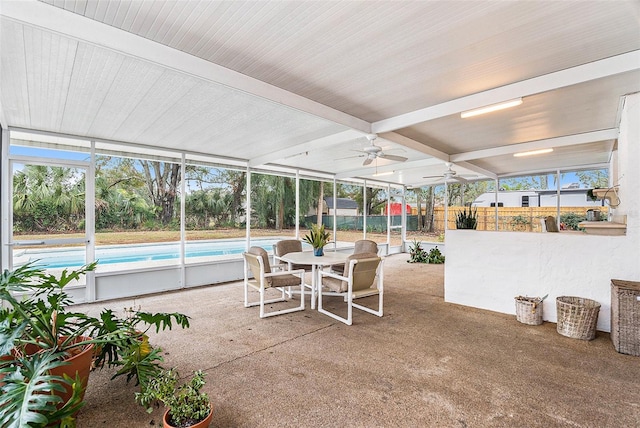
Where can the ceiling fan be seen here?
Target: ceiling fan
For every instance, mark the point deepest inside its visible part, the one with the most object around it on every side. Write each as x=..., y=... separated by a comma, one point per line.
x=449, y=175
x=373, y=152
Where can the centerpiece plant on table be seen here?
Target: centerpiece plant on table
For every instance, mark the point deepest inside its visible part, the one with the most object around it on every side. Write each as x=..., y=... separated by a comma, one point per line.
x=317, y=237
x=45, y=347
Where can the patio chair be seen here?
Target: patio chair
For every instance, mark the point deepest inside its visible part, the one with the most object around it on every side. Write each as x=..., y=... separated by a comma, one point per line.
x=362, y=246
x=257, y=262
x=364, y=278
x=287, y=246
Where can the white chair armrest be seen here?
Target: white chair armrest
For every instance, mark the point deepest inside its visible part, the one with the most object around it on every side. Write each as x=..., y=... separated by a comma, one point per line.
x=286, y=272
x=324, y=273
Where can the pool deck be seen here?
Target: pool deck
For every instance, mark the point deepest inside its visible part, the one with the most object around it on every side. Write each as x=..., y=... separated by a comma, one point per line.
x=425, y=363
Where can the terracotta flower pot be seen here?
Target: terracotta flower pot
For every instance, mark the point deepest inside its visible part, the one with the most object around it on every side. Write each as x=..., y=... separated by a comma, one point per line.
x=202, y=424
x=79, y=363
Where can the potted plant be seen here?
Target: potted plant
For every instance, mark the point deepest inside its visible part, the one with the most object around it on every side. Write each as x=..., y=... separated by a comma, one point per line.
x=32, y=395
x=44, y=345
x=467, y=219
x=185, y=405
x=318, y=238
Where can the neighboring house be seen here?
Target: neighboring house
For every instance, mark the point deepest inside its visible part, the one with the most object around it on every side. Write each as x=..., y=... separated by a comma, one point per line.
x=344, y=206
x=536, y=198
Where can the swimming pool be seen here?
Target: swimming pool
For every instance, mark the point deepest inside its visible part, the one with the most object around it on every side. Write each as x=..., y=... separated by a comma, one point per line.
x=62, y=257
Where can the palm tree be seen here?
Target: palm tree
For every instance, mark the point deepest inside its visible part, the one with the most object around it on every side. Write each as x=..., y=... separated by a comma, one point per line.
x=48, y=198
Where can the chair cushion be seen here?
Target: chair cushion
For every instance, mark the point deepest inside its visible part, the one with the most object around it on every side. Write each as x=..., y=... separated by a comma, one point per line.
x=287, y=246
x=365, y=246
x=305, y=267
x=334, y=285
x=361, y=246
x=365, y=273
x=285, y=281
x=260, y=252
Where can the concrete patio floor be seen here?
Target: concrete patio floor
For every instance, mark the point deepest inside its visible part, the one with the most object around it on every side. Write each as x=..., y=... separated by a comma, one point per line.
x=425, y=363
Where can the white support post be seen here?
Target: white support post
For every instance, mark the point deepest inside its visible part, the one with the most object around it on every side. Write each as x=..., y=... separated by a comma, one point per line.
x=558, y=187
x=496, y=203
x=364, y=210
x=5, y=197
x=403, y=220
x=183, y=232
x=388, y=215
x=247, y=213
x=446, y=207
x=90, y=223
x=297, y=204
x=335, y=215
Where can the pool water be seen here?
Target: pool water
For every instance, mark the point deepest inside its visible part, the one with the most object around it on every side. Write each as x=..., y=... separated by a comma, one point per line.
x=54, y=258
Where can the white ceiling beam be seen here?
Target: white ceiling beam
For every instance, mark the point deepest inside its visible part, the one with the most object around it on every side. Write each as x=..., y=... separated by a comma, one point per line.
x=415, y=145
x=397, y=166
x=583, y=73
x=567, y=140
x=474, y=168
x=319, y=143
x=41, y=15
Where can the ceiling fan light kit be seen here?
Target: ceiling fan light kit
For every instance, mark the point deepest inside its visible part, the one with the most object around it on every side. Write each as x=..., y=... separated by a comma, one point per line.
x=449, y=175
x=491, y=108
x=374, y=152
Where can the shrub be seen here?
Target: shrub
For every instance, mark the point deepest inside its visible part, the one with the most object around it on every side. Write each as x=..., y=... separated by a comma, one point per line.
x=419, y=255
x=571, y=220
x=467, y=219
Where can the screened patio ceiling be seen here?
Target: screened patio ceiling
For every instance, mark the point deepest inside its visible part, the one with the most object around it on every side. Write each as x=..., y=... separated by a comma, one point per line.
x=301, y=84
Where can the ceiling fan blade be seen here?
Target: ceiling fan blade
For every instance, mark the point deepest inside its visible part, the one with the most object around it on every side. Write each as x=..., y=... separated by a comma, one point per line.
x=351, y=157
x=392, y=157
x=367, y=161
x=460, y=179
x=434, y=176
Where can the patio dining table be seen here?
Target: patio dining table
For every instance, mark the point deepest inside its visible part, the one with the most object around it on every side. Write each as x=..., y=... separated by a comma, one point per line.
x=317, y=264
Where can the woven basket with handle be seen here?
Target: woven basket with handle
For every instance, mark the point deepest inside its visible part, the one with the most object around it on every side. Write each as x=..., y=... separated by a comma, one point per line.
x=529, y=310
x=577, y=317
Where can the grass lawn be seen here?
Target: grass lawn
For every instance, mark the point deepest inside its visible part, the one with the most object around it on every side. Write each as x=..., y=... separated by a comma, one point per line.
x=150, y=236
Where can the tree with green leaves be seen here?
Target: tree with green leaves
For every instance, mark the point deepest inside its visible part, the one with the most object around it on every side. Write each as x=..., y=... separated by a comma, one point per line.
x=48, y=198
x=597, y=178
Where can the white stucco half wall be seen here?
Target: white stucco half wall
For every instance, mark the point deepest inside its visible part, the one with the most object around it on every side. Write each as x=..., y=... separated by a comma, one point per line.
x=488, y=269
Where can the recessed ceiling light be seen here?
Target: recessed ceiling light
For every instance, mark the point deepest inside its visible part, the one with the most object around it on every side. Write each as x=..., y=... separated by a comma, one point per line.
x=490, y=108
x=533, y=152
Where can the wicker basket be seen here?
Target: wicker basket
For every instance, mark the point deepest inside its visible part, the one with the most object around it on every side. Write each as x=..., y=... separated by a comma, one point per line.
x=625, y=316
x=577, y=317
x=529, y=310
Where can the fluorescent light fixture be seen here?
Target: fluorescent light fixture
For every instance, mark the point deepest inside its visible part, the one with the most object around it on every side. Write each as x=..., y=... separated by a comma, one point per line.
x=533, y=152
x=493, y=107
x=380, y=174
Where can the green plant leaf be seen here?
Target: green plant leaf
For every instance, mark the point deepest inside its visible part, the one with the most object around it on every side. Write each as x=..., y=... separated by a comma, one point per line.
x=26, y=399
